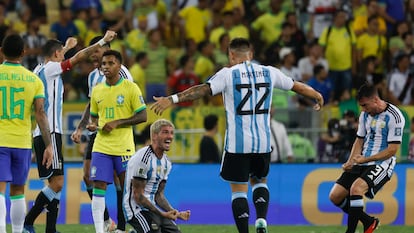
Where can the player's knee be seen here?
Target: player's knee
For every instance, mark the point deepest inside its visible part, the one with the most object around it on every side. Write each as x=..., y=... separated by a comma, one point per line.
x=56, y=183
x=335, y=197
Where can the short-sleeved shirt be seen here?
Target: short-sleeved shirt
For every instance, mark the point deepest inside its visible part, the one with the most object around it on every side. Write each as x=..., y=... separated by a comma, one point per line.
x=51, y=76
x=19, y=87
x=110, y=103
x=338, y=47
x=196, y=21
x=270, y=26
x=247, y=93
x=144, y=165
x=380, y=130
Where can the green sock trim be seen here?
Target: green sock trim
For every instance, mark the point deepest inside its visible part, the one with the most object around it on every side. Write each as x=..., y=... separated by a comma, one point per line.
x=21, y=196
x=99, y=192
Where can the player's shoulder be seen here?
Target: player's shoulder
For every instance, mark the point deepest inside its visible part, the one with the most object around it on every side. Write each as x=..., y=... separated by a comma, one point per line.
x=143, y=155
x=395, y=113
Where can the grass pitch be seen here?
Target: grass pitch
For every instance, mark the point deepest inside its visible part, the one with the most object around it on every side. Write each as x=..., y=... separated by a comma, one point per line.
x=79, y=228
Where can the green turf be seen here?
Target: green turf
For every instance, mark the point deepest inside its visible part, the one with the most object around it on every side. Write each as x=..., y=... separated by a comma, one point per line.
x=232, y=229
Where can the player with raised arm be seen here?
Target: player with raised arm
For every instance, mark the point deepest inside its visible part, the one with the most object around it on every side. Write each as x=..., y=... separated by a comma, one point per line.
x=50, y=72
x=247, y=94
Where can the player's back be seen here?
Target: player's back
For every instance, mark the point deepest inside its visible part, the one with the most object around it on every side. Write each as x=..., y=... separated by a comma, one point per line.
x=19, y=87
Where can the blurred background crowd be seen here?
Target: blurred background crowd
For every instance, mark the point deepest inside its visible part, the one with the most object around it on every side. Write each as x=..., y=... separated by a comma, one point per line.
x=333, y=45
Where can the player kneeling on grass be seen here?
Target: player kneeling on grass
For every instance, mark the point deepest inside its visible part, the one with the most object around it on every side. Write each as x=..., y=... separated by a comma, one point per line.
x=146, y=207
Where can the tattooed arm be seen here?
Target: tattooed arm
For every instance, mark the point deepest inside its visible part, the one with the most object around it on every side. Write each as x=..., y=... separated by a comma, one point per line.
x=76, y=135
x=190, y=94
x=43, y=124
x=162, y=202
x=138, y=186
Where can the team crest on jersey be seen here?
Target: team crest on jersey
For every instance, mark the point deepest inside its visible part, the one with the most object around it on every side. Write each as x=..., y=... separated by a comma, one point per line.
x=397, y=132
x=141, y=172
x=120, y=99
x=93, y=171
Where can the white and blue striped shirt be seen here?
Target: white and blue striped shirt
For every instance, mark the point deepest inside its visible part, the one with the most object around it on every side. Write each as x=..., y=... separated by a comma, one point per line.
x=247, y=94
x=51, y=76
x=144, y=164
x=96, y=76
x=380, y=130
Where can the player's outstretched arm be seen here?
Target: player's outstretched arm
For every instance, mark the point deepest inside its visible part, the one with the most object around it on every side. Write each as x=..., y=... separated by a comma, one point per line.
x=43, y=123
x=86, y=52
x=308, y=91
x=190, y=94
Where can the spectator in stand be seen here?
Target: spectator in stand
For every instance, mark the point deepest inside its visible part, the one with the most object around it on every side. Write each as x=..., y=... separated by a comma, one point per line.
x=220, y=53
x=409, y=48
x=285, y=40
x=298, y=35
x=307, y=64
x=64, y=28
x=287, y=57
x=136, y=39
x=366, y=72
x=183, y=78
x=209, y=151
x=156, y=70
x=372, y=43
x=360, y=23
x=396, y=42
x=340, y=52
x=34, y=41
x=113, y=15
x=196, y=20
x=204, y=66
x=239, y=29
x=94, y=29
x=401, y=80
x=137, y=71
x=320, y=12
x=226, y=27
x=303, y=148
x=267, y=28
x=392, y=11
x=321, y=83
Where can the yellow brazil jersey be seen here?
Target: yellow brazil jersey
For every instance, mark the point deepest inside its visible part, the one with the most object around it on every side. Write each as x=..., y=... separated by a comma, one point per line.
x=338, y=47
x=19, y=87
x=196, y=22
x=270, y=26
x=110, y=103
x=204, y=68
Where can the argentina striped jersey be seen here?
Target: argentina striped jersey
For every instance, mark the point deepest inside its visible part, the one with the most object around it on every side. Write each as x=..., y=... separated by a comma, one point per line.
x=380, y=130
x=247, y=95
x=144, y=165
x=51, y=76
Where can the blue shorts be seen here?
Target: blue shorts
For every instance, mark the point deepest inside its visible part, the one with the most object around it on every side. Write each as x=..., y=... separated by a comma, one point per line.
x=103, y=166
x=15, y=165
